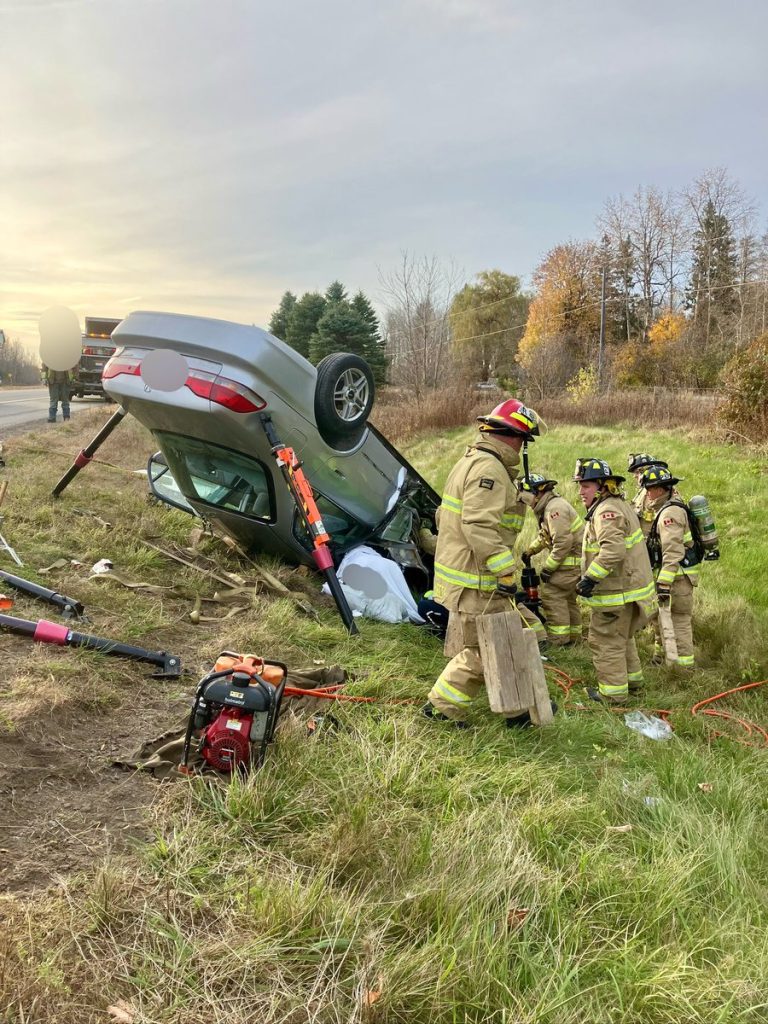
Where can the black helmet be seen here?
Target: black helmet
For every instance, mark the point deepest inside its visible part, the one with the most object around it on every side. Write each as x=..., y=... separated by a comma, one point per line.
x=594, y=469
x=658, y=476
x=639, y=460
x=534, y=482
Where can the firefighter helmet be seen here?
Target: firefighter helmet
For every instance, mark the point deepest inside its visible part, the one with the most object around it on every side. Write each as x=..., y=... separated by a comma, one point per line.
x=658, y=476
x=535, y=482
x=511, y=417
x=641, y=460
x=594, y=469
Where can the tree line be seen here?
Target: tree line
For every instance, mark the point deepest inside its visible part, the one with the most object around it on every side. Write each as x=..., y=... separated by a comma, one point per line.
x=672, y=291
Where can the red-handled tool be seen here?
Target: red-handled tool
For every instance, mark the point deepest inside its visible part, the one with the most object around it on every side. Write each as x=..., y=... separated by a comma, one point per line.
x=301, y=491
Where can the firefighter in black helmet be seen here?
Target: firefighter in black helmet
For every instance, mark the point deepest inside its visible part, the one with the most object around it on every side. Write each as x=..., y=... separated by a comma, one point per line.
x=616, y=580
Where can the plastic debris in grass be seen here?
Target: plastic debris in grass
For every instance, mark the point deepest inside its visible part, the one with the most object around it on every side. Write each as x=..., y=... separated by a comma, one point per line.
x=648, y=725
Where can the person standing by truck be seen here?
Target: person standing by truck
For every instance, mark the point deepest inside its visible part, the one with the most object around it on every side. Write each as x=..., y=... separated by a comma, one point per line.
x=59, y=382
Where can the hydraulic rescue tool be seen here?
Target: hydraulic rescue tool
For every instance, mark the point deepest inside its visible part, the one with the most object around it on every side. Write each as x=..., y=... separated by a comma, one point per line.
x=235, y=711
x=529, y=581
x=301, y=492
x=70, y=608
x=44, y=632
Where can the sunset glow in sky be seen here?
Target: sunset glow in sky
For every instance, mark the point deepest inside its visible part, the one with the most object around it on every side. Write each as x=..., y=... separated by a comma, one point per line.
x=202, y=157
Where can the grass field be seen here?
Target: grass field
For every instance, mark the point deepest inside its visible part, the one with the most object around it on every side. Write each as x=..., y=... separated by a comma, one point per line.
x=391, y=870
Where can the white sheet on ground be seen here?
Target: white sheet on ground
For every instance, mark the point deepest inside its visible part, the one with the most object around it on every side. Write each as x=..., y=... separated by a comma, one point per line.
x=375, y=586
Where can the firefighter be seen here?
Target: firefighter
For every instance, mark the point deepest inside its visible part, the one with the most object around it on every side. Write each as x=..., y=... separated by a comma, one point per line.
x=616, y=581
x=512, y=521
x=561, y=530
x=637, y=465
x=673, y=557
x=474, y=563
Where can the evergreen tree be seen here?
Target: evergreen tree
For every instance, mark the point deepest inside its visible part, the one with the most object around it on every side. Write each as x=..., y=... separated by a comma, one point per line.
x=374, y=347
x=278, y=324
x=303, y=321
x=711, y=291
x=340, y=329
x=335, y=292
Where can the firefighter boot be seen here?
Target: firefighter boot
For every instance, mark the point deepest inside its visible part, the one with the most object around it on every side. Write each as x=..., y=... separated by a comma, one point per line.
x=524, y=721
x=430, y=712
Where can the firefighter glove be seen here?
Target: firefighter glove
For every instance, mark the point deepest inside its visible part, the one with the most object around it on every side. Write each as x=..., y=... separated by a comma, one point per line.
x=506, y=586
x=545, y=575
x=664, y=594
x=526, y=557
x=585, y=586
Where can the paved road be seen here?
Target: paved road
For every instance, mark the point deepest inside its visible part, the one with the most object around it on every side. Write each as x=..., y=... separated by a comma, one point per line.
x=30, y=405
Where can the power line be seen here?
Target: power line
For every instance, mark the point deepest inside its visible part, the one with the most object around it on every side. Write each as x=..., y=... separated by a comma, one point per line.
x=586, y=305
x=595, y=260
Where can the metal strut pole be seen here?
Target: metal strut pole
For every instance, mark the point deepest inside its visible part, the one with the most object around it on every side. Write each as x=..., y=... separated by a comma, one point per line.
x=45, y=632
x=85, y=456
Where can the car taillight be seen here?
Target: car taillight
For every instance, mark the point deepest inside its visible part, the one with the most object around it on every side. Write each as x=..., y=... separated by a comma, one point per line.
x=124, y=364
x=224, y=392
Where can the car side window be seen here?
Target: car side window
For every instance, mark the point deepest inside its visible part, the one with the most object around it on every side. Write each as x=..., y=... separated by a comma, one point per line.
x=220, y=477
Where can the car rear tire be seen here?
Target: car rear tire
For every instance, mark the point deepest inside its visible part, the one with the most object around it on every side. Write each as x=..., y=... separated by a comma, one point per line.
x=344, y=395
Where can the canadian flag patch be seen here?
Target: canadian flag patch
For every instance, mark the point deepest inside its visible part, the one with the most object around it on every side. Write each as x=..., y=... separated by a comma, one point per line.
x=554, y=515
x=669, y=522
x=608, y=515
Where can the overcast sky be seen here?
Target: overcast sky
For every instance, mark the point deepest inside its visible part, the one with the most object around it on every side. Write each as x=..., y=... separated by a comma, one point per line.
x=202, y=156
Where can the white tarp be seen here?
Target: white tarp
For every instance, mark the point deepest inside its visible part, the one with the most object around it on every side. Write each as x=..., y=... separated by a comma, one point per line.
x=375, y=587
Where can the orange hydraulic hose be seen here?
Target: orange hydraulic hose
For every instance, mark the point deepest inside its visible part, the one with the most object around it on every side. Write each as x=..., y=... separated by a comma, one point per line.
x=566, y=683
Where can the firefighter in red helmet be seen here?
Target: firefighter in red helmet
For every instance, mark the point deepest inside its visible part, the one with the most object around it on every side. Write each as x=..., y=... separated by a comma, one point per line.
x=474, y=563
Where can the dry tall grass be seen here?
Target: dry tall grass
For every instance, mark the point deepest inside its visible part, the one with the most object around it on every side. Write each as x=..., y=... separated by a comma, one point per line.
x=656, y=408
x=400, y=416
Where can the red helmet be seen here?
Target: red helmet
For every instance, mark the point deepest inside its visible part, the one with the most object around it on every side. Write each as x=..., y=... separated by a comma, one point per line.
x=511, y=417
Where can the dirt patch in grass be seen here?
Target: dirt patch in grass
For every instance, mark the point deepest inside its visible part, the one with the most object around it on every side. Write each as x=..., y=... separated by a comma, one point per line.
x=66, y=715
x=65, y=805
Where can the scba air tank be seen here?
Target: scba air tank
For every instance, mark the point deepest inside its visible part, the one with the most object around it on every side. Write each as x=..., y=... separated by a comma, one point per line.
x=705, y=521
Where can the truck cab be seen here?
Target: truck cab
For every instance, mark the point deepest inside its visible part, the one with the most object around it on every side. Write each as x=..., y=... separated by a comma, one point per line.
x=96, y=351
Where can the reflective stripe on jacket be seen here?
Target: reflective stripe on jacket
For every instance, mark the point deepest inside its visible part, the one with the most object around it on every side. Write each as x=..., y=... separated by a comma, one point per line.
x=614, y=555
x=561, y=530
x=475, y=532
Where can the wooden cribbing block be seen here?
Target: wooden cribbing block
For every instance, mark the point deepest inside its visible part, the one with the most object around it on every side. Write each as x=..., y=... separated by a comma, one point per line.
x=454, y=636
x=514, y=674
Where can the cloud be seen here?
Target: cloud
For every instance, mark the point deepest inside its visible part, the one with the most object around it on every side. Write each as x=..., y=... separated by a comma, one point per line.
x=204, y=158
x=482, y=15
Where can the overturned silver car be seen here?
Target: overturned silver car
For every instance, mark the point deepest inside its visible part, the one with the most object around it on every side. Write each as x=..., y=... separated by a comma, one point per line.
x=214, y=457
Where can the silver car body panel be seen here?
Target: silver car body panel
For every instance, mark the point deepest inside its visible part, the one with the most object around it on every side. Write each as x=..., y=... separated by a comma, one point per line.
x=367, y=482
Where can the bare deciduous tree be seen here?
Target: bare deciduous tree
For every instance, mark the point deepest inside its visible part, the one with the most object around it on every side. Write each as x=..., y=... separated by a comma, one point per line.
x=418, y=296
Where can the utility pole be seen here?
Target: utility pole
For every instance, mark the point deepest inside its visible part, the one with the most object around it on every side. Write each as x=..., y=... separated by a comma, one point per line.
x=601, y=346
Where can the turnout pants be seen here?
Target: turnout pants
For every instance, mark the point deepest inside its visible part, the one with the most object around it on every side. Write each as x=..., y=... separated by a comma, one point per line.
x=462, y=678
x=561, y=608
x=681, y=607
x=532, y=621
x=614, y=654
